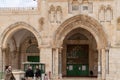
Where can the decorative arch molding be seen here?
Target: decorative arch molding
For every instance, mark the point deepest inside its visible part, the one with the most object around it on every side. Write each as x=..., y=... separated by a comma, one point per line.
x=17, y=26
x=82, y=32
x=85, y=22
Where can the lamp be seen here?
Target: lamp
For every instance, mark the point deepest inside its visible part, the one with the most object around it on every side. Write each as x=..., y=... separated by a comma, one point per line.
x=30, y=39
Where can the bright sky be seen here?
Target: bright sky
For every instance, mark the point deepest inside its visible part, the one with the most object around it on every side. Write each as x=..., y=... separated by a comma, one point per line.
x=18, y=3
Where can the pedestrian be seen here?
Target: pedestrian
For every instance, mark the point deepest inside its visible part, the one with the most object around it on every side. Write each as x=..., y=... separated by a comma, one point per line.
x=8, y=73
x=46, y=77
x=37, y=73
x=91, y=73
x=29, y=74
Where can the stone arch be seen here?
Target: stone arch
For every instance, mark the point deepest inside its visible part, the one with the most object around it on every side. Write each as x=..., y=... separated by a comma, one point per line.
x=85, y=22
x=25, y=45
x=17, y=26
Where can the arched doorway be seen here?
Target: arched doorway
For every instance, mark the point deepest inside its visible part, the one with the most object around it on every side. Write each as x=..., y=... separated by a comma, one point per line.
x=79, y=54
x=20, y=44
x=88, y=29
x=29, y=50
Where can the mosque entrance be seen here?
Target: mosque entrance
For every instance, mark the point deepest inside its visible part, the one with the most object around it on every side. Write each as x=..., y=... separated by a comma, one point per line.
x=80, y=57
x=81, y=42
x=77, y=60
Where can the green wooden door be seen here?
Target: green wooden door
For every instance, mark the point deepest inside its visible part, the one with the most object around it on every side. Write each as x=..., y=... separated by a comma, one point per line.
x=33, y=58
x=77, y=60
x=77, y=70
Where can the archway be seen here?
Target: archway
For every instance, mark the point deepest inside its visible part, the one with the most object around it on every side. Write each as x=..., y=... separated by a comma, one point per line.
x=15, y=27
x=85, y=22
x=79, y=54
x=82, y=23
x=14, y=38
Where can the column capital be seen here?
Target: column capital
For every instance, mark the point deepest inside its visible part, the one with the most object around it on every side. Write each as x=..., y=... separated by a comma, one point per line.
x=59, y=49
x=100, y=48
x=55, y=47
x=49, y=46
x=105, y=49
x=44, y=46
x=3, y=49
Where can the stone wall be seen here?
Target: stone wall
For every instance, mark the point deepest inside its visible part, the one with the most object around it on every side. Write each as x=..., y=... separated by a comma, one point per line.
x=48, y=18
x=114, y=64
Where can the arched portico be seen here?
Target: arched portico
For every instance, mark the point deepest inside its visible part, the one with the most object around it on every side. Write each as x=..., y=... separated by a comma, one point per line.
x=15, y=31
x=15, y=27
x=93, y=27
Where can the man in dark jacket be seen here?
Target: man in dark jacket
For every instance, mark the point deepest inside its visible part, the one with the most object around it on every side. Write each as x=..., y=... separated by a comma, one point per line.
x=29, y=73
x=37, y=73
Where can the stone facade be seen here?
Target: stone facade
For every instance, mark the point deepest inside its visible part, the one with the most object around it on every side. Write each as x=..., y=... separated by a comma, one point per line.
x=52, y=22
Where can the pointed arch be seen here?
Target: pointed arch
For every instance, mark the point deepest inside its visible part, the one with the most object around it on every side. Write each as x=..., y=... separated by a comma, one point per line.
x=15, y=27
x=85, y=22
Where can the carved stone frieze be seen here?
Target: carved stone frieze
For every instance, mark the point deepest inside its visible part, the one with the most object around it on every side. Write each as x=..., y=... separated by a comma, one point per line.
x=80, y=6
x=55, y=14
x=105, y=13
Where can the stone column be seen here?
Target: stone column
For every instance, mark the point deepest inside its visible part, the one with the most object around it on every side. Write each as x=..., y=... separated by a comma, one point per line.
x=103, y=55
x=53, y=61
x=19, y=57
x=60, y=63
x=46, y=57
x=56, y=62
x=15, y=59
x=3, y=61
x=99, y=64
x=107, y=61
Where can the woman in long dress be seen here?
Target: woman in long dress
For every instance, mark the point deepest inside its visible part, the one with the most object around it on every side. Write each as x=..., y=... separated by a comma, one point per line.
x=9, y=74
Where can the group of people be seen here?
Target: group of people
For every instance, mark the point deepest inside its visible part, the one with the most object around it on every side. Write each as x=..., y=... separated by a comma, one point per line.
x=29, y=74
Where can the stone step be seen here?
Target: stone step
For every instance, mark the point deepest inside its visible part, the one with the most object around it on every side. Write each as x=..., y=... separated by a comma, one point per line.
x=79, y=79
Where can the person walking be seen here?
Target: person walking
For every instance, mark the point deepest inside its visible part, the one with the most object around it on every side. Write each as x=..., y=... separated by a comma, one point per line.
x=46, y=77
x=29, y=74
x=37, y=73
x=8, y=73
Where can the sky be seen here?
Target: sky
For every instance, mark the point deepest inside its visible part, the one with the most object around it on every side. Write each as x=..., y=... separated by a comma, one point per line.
x=18, y=3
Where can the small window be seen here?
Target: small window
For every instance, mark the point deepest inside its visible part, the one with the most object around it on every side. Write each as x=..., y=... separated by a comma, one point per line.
x=85, y=7
x=75, y=7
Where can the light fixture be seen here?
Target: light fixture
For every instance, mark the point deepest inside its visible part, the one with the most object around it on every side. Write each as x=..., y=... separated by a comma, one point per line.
x=30, y=39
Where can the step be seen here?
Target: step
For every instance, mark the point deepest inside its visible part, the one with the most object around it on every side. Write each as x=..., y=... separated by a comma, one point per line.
x=81, y=78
